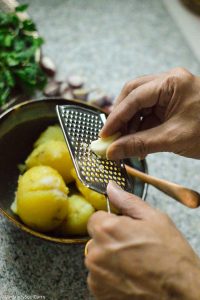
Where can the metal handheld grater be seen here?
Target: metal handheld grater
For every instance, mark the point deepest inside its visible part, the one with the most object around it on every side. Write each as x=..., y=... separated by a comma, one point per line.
x=81, y=126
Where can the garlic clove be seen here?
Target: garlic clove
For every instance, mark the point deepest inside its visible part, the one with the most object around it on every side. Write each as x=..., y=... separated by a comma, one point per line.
x=48, y=66
x=100, y=146
x=51, y=89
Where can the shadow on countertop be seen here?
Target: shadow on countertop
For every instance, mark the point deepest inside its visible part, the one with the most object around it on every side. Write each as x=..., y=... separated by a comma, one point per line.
x=36, y=267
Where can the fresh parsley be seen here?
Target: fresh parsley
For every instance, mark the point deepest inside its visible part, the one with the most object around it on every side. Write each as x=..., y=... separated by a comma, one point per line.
x=19, y=70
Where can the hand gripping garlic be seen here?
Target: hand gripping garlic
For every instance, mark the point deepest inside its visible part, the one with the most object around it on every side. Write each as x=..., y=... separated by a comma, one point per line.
x=100, y=146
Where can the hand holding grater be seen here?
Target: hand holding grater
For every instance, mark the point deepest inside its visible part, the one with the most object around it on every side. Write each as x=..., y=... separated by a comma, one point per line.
x=81, y=126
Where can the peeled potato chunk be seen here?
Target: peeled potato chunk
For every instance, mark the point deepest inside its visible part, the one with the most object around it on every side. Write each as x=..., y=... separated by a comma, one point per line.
x=52, y=133
x=100, y=146
x=41, y=198
x=78, y=212
x=97, y=200
x=54, y=154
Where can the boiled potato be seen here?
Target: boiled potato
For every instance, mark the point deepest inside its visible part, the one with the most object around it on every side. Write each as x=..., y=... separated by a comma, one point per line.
x=52, y=133
x=78, y=212
x=97, y=200
x=100, y=146
x=54, y=154
x=41, y=198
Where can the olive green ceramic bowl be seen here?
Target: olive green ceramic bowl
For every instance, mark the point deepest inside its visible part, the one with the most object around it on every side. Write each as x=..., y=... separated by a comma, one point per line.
x=20, y=126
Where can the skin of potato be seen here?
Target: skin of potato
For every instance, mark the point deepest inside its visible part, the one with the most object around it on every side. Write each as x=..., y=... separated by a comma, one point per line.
x=54, y=154
x=52, y=133
x=42, y=198
x=78, y=212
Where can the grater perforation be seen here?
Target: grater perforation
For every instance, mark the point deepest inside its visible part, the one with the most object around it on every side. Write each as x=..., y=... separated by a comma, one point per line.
x=81, y=126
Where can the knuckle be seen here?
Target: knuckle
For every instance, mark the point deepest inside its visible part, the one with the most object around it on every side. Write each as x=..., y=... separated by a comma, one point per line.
x=141, y=146
x=165, y=218
x=177, y=70
x=92, y=284
x=127, y=88
x=180, y=70
x=169, y=83
x=180, y=74
x=92, y=259
x=108, y=226
x=168, y=87
x=97, y=230
x=95, y=220
x=126, y=208
x=136, y=146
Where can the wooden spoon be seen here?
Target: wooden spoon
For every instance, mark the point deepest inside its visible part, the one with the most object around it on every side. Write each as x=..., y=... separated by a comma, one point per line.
x=181, y=194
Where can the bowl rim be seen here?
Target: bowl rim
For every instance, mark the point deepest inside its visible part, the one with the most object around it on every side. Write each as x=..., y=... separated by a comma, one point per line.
x=59, y=240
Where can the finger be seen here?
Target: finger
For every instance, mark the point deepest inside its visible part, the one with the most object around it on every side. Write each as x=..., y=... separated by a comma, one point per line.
x=97, y=284
x=141, y=144
x=145, y=96
x=134, y=124
x=131, y=85
x=129, y=204
x=93, y=286
x=95, y=222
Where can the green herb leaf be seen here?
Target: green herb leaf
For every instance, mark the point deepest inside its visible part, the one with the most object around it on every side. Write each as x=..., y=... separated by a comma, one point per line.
x=18, y=67
x=8, y=40
x=28, y=25
x=4, y=95
x=21, y=8
x=9, y=78
x=12, y=60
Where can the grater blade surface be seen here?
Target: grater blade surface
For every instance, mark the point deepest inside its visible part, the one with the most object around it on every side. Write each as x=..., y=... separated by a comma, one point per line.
x=81, y=126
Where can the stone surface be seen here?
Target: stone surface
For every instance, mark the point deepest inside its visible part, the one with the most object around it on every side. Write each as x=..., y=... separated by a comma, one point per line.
x=108, y=42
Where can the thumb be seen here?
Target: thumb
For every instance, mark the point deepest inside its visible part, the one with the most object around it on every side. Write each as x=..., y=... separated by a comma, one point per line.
x=140, y=144
x=129, y=204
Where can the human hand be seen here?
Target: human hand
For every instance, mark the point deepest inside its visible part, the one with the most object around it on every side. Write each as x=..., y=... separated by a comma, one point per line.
x=140, y=255
x=156, y=114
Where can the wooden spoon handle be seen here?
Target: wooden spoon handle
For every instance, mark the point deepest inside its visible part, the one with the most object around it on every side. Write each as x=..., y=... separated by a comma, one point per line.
x=183, y=195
